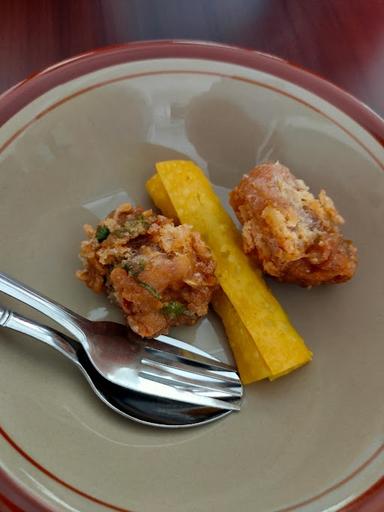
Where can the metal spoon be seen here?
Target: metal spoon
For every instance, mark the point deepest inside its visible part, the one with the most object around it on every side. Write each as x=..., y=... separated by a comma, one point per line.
x=139, y=407
x=152, y=366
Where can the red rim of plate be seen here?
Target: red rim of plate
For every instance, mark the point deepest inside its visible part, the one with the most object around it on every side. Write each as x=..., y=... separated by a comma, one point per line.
x=12, y=494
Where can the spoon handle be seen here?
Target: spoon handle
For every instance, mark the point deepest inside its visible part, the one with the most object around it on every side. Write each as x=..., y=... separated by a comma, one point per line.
x=47, y=335
x=74, y=323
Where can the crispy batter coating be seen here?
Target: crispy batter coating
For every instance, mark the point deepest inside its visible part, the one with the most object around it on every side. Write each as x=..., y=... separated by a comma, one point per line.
x=292, y=235
x=160, y=274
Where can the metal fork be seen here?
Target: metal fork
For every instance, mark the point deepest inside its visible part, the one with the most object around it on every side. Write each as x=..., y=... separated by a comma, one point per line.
x=156, y=367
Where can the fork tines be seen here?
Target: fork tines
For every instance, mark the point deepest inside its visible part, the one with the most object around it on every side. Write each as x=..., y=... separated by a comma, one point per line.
x=187, y=371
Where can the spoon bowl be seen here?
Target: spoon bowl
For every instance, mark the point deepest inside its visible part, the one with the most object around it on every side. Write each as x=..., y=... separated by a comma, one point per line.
x=146, y=409
x=153, y=410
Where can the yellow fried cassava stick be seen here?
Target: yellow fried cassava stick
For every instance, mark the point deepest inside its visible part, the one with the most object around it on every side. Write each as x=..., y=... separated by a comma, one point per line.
x=159, y=196
x=248, y=359
x=280, y=346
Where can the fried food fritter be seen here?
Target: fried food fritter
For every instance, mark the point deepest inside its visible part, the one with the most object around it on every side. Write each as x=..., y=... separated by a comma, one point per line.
x=160, y=274
x=292, y=235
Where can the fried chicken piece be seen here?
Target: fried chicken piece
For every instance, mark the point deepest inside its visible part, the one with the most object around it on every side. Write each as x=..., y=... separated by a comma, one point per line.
x=160, y=274
x=292, y=235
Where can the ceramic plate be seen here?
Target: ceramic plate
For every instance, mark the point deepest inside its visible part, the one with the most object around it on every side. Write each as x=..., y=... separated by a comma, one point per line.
x=83, y=136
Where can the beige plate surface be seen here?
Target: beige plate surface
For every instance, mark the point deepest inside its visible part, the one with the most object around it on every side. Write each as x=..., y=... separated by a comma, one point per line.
x=311, y=440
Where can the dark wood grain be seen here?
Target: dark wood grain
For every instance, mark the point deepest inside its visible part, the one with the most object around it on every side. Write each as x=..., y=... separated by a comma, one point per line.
x=343, y=40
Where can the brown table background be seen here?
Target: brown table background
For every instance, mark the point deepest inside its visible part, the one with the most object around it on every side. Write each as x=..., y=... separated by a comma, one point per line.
x=343, y=40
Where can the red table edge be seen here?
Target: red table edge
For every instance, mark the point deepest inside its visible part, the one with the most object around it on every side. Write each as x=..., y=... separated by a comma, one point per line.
x=17, y=97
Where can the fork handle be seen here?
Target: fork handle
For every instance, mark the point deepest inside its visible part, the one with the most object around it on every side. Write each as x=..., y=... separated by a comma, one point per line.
x=49, y=336
x=71, y=321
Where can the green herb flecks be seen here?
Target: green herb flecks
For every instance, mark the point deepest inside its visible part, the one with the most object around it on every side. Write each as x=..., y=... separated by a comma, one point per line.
x=149, y=289
x=137, y=226
x=134, y=226
x=102, y=233
x=134, y=268
x=141, y=218
x=174, y=309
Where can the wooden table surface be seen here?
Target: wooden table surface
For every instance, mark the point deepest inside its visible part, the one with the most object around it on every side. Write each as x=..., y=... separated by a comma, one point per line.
x=343, y=40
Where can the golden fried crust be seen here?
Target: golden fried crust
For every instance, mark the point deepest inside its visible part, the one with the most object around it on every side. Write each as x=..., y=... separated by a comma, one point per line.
x=292, y=235
x=160, y=274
